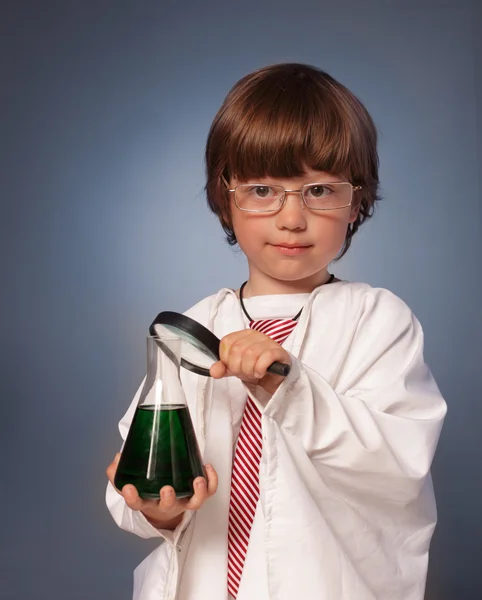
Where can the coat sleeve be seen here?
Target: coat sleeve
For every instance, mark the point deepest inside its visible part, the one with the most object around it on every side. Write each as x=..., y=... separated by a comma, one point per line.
x=375, y=431
x=131, y=520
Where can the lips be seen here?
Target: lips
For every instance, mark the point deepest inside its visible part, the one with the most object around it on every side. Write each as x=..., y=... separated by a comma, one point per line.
x=291, y=249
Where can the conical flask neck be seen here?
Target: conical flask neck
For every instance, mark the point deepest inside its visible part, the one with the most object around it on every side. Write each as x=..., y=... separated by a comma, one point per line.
x=163, y=382
x=164, y=354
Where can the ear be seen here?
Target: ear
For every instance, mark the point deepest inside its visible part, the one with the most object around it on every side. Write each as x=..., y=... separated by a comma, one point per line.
x=226, y=216
x=355, y=209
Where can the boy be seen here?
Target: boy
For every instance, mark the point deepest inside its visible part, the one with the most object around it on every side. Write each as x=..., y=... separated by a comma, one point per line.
x=318, y=484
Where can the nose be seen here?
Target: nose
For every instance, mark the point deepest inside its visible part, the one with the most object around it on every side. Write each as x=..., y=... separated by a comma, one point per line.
x=293, y=214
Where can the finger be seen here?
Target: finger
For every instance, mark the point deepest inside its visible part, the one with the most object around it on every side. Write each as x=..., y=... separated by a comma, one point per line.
x=212, y=480
x=250, y=359
x=232, y=356
x=200, y=494
x=112, y=468
x=132, y=498
x=216, y=374
x=218, y=370
x=263, y=363
x=267, y=358
x=228, y=341
x=168, y=497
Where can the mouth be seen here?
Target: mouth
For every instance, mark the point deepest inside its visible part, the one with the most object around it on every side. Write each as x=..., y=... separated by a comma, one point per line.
x=291, y=249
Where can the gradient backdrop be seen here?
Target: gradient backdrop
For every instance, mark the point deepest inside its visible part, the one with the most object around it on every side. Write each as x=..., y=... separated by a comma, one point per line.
x=105, y=107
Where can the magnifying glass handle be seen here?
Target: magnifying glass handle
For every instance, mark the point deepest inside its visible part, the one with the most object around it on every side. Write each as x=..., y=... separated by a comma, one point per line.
x=278, y=368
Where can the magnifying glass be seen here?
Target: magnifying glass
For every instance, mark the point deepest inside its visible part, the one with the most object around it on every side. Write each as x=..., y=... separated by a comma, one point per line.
x=199, y=346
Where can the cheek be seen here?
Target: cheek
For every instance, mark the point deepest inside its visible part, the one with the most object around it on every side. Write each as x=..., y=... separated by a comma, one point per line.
x=333, y=226
x=331, y=233
x=249, y=228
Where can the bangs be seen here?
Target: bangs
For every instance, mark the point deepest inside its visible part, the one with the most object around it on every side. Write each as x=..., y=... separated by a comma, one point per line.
x=284, y=128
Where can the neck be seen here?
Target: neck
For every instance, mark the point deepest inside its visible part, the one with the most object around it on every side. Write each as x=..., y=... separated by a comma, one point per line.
x=263, y=285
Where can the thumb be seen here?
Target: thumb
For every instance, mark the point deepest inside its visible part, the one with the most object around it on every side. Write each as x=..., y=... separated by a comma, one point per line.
x=112, y=468
x=218, y=370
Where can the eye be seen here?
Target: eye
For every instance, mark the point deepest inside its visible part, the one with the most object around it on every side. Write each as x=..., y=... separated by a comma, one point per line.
x=318, y=191
x=262, y=191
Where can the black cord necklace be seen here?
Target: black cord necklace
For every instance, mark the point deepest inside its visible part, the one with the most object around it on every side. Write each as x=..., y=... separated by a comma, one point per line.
x=246, y=312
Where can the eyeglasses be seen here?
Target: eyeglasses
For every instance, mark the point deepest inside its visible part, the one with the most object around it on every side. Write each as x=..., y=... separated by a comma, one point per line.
x=259, y=197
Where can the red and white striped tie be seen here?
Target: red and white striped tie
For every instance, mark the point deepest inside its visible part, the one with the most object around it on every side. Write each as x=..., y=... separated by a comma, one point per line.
x=245, y=474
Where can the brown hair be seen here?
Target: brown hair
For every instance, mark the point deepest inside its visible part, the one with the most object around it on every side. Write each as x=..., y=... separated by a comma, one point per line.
x=283, y=118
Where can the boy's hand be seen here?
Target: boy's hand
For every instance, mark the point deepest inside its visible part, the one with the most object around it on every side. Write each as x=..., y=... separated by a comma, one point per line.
x=166, y=513
x=247, y=354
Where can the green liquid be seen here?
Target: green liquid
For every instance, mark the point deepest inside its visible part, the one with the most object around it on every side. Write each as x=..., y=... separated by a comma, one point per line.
x=160, y=449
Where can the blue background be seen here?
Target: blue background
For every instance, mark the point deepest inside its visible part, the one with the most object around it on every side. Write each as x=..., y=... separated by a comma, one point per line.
x=105, y=108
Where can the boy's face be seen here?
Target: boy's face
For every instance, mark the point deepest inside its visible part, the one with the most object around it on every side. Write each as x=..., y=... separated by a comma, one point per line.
x=290, y=250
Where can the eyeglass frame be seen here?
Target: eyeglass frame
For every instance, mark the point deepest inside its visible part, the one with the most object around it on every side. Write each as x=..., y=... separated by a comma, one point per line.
x=354, y=188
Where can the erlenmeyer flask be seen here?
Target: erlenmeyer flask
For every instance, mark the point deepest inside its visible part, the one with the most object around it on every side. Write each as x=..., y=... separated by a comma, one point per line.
x=161, y=446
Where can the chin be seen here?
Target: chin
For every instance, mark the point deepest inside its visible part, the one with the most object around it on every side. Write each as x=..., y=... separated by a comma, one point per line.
x=294, y=275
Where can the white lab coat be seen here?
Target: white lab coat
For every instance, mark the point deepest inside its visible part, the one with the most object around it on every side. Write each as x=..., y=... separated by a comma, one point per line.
x=346, y=509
